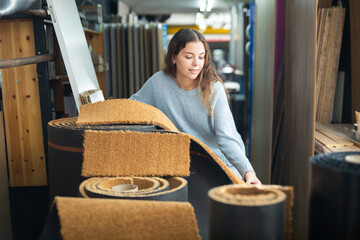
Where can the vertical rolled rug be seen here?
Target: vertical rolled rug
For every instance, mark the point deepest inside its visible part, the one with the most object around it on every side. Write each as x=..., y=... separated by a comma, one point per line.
x=246, y=212
x=334, y=211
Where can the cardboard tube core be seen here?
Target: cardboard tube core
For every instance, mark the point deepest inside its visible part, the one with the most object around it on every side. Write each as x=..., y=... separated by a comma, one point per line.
x=125, y=188
x=353, y=159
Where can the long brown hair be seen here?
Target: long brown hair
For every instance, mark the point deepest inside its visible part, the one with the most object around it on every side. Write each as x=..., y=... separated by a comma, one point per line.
x=207, y=75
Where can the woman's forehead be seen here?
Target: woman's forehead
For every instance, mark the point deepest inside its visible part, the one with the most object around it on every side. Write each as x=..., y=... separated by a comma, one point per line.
x=194, y=47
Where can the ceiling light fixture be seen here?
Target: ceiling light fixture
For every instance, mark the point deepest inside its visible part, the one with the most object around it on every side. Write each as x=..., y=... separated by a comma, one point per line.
x=203, y=4
x=209, y=5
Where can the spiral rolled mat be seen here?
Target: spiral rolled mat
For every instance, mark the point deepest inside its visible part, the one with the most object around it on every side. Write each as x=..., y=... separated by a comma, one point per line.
x=90, y=218
x=247, y=212
x=148, y=188
x=334, y=211
x=65, y=152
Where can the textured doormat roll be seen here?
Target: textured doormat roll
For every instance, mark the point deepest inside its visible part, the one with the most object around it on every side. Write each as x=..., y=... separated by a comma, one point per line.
x=118, y=153
x=90, y=218
x=246, y=212
x=123, y=111
x=334, y=211
x=149, y=188
x=65, y=152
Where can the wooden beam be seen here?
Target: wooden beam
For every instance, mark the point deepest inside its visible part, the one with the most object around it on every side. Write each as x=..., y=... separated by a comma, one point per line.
x=16, y=62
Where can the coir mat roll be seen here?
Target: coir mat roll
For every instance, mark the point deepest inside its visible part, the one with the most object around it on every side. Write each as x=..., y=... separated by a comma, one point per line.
x=65, y=150
x=147, y=188
x=334, y=211
x=246, y=212
x=91, y=218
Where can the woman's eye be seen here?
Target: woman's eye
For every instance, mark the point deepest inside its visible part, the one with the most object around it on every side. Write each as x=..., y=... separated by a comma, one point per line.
x=187, y=57
x=201, y=58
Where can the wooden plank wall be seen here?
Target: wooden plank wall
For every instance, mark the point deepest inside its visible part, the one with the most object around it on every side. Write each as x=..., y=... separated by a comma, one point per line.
x=21, y=101
x=5, y=216
x=355, y=56
x=299, y=112
x=261, y=132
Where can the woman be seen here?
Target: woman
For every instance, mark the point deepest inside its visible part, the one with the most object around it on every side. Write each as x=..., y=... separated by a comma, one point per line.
x=189, y=92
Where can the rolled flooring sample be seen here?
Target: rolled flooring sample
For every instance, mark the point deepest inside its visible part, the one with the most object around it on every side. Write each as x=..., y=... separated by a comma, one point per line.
x=148, y=188
x=246, y=212
x=334, y=211
x=65, y=152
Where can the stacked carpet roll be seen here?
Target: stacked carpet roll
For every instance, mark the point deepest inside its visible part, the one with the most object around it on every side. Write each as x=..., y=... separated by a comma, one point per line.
x=65, y=152
x=334, y=211
x=250, y=212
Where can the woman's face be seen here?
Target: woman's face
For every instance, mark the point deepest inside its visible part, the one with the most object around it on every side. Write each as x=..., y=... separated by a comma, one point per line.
x=190, y=61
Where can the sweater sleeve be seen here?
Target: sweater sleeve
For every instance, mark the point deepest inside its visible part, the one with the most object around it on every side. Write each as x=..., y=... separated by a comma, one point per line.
x=146, y=93
x=228, y=138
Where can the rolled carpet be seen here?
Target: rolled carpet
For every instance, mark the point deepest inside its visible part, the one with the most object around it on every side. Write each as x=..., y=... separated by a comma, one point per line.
x=90, y=218
x=246, y=212
x=148, y=188
x=334, y=211
x=65, y=152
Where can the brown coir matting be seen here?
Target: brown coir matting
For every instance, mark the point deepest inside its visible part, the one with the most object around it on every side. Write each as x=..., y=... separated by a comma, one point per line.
x=123, y=111
x=119, y=153
x=86, y=218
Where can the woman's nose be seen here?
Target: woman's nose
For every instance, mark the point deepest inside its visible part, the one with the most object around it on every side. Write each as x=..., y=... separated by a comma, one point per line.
x=195, y=61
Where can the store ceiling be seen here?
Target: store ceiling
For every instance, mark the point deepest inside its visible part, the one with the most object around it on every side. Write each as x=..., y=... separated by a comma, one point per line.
x=155, y=7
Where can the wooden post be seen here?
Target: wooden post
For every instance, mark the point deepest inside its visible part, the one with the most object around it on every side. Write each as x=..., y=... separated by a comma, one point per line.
x=20, y=91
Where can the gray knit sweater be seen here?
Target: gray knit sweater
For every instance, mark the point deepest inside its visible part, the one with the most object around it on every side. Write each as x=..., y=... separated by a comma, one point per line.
x=185, y=109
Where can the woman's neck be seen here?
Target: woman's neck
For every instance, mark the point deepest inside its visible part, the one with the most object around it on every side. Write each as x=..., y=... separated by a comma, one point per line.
x=186, y=84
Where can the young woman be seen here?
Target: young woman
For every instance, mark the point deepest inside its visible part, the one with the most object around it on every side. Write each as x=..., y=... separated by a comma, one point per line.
x=190, y=93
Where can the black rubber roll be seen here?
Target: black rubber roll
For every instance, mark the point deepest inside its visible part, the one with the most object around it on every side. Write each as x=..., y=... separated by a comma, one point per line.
x=334, y=211
x=65, y=151
x=246, y=212
x=149, y=188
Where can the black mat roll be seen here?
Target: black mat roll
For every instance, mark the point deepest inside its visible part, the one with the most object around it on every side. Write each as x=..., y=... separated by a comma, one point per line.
x=65, y=151
x=166, y=189
x=334, y=211
x=246, y=212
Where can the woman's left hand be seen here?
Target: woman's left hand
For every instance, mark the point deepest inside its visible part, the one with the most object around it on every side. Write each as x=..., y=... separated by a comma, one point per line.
x=250, y=178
